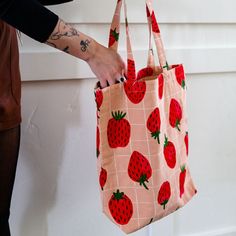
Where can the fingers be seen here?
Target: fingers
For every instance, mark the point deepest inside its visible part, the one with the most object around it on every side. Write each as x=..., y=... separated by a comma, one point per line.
x=108, y=80
x=113, y=73
x=103, y=82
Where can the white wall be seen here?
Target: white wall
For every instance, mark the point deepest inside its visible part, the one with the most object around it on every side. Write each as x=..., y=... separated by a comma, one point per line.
x=56, y=189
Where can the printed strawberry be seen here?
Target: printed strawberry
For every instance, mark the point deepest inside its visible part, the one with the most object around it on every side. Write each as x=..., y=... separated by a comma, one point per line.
x=164, y=194
x=160, y=85
x=169, y=153
x=182, y=177
x=139, y=168
x=154, y=124
x=155, y=27
x=135, y=90
x=186, y=142
x=121, y=207
x=180, y=76
x=98, y=98
x=175, y=114
x=113, y=37
x=131, y=73
x=147, y=10
x=148, y=71
x=98, y=141
x=102, y=178
x=118, y=130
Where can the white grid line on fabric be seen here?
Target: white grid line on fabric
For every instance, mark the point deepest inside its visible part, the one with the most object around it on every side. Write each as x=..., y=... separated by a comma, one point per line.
x=178, y=154
x=126, y=99
x=145, y=140
x=149, y=108
x=150, y=187
x=149, y=155
x=128, y=109
x=117, y=179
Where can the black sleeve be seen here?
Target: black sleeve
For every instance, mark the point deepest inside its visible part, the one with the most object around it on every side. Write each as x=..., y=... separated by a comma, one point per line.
x=53, y=2
x=30, y=17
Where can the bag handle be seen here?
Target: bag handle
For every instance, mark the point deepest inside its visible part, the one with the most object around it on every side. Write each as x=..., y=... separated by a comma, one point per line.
x=150, y=61
x=115, y=31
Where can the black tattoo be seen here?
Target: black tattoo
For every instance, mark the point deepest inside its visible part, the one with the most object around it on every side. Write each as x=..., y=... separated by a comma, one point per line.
x=68, y=33
x=51, y=44
x=84, y=44
x=66, y=49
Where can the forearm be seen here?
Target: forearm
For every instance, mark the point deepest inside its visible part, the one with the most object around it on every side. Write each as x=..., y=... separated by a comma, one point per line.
x=66, y=38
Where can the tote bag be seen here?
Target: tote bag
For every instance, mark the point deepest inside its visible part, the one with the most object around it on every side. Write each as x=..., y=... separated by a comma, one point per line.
x=142, y=136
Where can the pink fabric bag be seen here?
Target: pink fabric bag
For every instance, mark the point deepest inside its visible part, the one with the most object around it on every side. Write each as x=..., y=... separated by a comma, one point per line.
x=142, y=137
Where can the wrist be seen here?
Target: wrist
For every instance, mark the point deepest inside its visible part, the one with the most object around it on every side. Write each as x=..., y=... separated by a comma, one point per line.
x=92, y=50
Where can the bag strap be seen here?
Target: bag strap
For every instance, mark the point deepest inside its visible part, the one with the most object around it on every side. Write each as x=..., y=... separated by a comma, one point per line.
x=157, y=36
x=150, y=61
x=115, y=32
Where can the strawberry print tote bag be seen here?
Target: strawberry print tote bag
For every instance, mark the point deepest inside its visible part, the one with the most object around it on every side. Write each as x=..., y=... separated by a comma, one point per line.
x=142, y=136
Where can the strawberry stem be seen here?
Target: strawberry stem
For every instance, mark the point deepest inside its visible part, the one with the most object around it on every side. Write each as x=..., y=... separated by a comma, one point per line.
x=155, y=135
x=177, y=123
x=164, y=204
x=115, y=34
x=166, y=66
x=166, y=141
x=183, y=84
x=142, y=180
x=182, y=168
x=118, y=115
x=118, y=195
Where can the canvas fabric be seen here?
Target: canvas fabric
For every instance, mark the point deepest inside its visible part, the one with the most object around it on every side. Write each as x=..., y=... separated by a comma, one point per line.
x=142, y=136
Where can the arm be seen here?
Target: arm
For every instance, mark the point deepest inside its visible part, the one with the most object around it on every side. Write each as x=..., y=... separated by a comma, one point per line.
x=106, y=64
x=39, y=23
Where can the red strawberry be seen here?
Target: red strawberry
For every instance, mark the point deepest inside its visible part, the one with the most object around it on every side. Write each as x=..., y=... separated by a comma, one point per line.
x=164, y=194
x=102, y=177
x=160, y=85
x=175, y=114
x=121, y=207
x=98, y=141
x=180, y=76
x=155, y=27
x=174, y=65
x=182, y=177
x=148, y=71
x=131, y=70
x=147, y=10
x=139, y=168
x=98, y=98
x=186, y=142
x=135, y=90
x=169, y=153
x=154, y=124
x=118, y=130
x=113, y=37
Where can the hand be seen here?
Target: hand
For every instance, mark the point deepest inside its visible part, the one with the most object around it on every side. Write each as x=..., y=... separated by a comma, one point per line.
x=107, y=65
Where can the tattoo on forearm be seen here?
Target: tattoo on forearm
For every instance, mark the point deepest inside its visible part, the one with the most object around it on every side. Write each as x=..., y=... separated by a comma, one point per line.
x=63, y=30
x=84, y=44
x=51, y=44
x=66, y=49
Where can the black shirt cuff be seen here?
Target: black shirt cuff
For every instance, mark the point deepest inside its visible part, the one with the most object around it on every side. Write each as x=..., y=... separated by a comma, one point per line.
x=31, y=18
